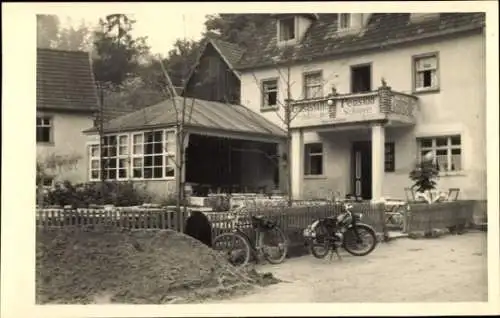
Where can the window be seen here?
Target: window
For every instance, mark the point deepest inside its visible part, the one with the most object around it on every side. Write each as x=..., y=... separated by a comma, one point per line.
x=344, y=21
x=389, y=157
x=269, y=93
x=145, y=155
x=286, y=29
x=446, y=150
x=426, y=73
x=361, y=78
x=43, y=129
x=313, y=160
x=95, y=163
x=313, y=86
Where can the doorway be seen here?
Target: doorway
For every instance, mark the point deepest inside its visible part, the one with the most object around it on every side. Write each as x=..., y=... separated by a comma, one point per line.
x=361, y=171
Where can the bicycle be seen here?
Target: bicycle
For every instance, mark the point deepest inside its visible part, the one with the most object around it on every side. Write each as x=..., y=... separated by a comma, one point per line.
x=239, y=255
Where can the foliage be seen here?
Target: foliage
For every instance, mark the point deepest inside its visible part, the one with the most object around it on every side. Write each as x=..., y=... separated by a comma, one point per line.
x=118, y=54
x=51, y=35
x=235, y=28
x=85, y=194
x=424, y=175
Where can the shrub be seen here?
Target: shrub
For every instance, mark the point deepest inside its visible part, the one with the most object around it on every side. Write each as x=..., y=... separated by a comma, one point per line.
x=424, y=175
x=85, y=194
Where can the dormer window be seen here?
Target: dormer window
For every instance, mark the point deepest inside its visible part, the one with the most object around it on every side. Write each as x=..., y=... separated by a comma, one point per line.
x=344, y=21
x=286, y=29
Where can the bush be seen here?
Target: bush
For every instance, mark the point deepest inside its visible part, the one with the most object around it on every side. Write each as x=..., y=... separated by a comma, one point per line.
x=85, y=194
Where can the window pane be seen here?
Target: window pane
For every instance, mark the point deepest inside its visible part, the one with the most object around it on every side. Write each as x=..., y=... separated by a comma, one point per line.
x=148, y=137
x=169, y=160
x=111, y=163
x=148, y=173
x=442, y=159
x=441, y=141
x=94, y=174
x=456, y=160
x=157, y=172
x=137, y=162
x=158, y=161
x=317, y=165
x=112, y=174
x=94, y=164
x=148, y=161
x=112, y=140
x=43, y=134
x=456, y=140
x=123, y=163
x=112, y=151
x=123, y=150
x=157, y=147
x=148, y=149
x=94, y=151
x=170, y=147
x=122, y=173
x=138, y=139
x=315, y=148
x=169, y=171
x=158, y=136
x=426, y=142
x=426, y=63
x=138, y=149
x=39, y=121
x=427, y=79
x=137, y=173
x=123, y=140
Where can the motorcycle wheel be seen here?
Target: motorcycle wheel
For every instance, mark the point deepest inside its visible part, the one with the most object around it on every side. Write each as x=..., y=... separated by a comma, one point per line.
x=351, y=244
x=320, y=246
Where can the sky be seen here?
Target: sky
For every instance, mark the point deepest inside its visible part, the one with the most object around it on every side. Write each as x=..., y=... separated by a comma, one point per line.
x=162, y=26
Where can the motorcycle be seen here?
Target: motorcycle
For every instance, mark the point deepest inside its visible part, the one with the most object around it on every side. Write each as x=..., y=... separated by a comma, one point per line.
x=344, y=230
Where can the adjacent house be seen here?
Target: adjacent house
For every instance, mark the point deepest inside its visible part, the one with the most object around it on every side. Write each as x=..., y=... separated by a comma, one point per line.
x=229, y=148
x=372, y=93
x=214, y=77
x=66, y=105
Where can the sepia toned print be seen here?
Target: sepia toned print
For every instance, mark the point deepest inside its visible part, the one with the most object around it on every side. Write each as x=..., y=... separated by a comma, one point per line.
x=298, y=157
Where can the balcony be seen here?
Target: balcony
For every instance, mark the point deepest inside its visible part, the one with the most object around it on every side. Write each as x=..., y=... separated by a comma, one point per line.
x=381, y=105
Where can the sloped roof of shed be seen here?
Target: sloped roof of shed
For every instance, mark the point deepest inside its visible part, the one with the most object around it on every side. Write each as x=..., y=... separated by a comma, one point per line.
x=205, y=114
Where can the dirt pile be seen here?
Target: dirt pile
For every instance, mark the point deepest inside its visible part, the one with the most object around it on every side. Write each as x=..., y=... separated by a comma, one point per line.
x=109, y=265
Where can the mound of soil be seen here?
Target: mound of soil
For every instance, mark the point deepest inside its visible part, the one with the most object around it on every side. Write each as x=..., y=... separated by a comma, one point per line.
x=110, y=265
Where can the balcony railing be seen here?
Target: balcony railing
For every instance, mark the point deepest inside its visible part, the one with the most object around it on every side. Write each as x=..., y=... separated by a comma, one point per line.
x=354, y=108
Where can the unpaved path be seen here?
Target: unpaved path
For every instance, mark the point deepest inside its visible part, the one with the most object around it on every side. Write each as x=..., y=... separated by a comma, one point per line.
x=450, y=268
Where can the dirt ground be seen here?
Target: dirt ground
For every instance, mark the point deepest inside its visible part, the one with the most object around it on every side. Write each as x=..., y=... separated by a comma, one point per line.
x=446, y=269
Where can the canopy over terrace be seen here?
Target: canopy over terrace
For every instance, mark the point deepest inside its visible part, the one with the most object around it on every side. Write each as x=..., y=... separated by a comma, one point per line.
x=228, y=145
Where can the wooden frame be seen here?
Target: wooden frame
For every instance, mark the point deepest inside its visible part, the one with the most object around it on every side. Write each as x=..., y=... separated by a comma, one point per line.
x=414, y=60
x=304, y=84
x=352, y=67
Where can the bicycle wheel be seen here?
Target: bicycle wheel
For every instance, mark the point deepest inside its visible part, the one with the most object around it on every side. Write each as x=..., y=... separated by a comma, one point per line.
x=234, y=247
x=360, y=248
x=275, y=253
x=320, y=245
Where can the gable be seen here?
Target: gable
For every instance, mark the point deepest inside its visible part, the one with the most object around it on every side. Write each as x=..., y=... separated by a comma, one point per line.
x=64, y=81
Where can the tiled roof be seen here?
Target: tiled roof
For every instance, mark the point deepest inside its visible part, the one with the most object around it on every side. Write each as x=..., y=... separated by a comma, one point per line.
x=230, y=51
x=64, y=81
x=205, y=114
x=382, y=31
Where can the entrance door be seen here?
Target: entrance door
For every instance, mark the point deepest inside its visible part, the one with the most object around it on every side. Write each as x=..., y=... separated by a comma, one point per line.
x=362, y=169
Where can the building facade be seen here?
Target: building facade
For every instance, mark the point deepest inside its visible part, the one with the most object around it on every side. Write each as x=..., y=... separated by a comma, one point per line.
x=369, y=94
x=66, y=105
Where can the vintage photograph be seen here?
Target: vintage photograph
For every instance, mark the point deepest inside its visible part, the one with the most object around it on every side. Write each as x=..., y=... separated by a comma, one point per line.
x=261, y=158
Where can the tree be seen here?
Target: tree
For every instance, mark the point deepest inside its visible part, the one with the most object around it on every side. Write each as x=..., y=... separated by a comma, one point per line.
x=117, y=53
x=235, y=28
x=47, y=27
x=51, y=35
